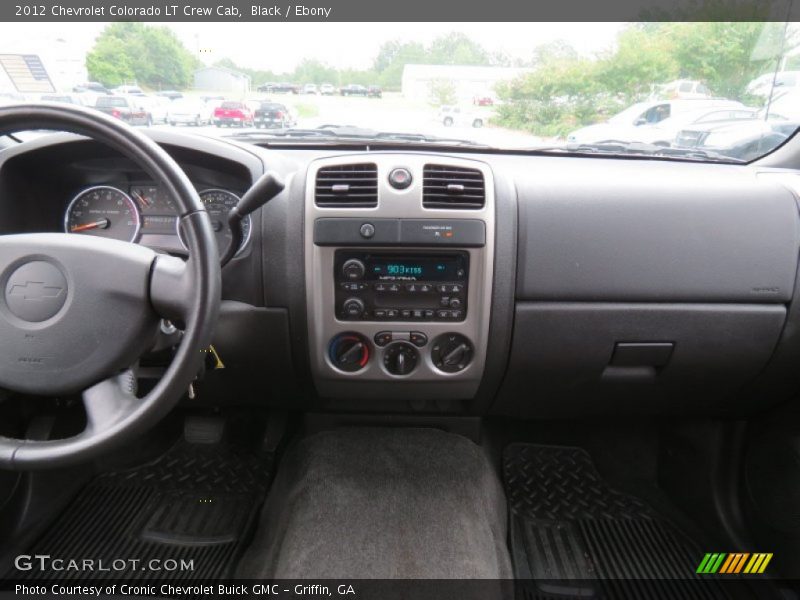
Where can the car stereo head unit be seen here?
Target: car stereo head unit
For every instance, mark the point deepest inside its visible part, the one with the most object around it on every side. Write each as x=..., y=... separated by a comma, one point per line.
x=402, y=286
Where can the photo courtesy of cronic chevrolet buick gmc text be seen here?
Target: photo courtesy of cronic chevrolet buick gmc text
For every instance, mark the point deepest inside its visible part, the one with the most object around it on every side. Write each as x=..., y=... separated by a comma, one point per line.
x=460, y=310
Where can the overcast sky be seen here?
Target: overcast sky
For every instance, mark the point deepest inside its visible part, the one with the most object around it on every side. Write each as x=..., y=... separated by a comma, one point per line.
x=279, y=46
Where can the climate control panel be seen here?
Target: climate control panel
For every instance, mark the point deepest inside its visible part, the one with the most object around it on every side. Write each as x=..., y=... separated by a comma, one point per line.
x=399, y=352
x=385, y=286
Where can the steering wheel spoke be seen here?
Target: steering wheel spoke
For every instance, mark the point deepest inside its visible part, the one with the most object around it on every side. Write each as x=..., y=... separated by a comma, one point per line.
x=171, y=292
x=110, y=401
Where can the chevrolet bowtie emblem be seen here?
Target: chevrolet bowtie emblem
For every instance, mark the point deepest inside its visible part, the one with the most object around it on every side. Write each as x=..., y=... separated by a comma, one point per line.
x=36, y=290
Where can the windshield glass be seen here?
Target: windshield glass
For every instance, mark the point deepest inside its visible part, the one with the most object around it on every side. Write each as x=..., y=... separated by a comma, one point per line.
x=570, y=86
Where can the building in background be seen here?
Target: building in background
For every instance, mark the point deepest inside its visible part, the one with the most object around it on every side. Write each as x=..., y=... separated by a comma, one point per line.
x=467, y=82
x=221, y=79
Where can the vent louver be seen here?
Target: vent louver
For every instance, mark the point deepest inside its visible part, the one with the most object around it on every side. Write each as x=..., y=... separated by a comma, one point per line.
x=447, y=186
x=354, y=185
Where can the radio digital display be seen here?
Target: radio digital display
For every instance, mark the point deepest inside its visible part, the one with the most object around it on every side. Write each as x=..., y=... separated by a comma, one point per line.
x=428, y=268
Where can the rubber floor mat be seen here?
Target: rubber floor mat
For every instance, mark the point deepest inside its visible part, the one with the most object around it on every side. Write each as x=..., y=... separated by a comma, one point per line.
x=573, y=536
x=194, y=505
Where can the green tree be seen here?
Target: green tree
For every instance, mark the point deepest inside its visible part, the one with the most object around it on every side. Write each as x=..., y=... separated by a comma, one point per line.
x=314, y=71
x=566, y=91
x=108, y=63
x=134, y=52
x=442, y=91
x=457, y=49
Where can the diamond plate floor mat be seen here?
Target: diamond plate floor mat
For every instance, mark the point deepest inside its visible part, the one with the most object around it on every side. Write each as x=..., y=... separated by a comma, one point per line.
x=573, y=536
x=194, y=505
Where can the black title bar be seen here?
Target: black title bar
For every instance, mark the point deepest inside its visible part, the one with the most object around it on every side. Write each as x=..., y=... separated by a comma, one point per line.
x=405, y=10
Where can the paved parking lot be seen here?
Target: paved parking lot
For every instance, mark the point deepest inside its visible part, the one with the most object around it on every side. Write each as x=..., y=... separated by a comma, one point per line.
x=390, y=113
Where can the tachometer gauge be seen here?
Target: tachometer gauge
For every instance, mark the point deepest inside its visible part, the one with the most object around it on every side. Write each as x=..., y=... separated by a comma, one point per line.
x=103, y=211
x=153, y=200
x=218, y=204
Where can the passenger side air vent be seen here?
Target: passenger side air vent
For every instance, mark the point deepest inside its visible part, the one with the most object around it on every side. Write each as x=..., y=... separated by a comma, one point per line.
x=446, y=186
x=348, y=186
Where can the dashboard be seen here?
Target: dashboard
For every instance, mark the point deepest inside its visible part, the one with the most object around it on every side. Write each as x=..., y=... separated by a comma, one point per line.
x=464, y=283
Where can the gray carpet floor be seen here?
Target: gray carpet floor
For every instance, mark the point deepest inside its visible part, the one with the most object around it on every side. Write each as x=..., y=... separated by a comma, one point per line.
x=382, y=503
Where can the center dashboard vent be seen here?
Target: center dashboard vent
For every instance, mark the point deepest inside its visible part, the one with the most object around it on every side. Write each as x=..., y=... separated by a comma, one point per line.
x=448, y=186
x=353, y=185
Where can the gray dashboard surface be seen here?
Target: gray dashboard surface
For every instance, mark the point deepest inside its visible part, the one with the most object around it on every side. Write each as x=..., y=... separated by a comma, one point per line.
x=602, y=230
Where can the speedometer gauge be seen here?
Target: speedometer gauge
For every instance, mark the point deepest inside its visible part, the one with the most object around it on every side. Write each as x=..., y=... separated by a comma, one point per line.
x=218, y=205
x=103, y=211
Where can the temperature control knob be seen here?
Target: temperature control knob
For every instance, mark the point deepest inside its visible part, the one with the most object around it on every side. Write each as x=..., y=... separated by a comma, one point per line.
x=451, y=352
x=400, y=358
x=349, y=352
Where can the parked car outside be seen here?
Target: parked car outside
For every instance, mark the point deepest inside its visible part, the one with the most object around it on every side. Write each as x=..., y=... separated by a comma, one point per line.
x=76, y=99
x=310, y=88
x=719, y=136
x=156, y=107
x=787, y=103
x=455, y=116
x=374, y=91
x=784, y=80
x=282, y=88
x=91, y=86
x=353, y=89
x=682, y=89
x=638, y=122
x=273, y=114
x=327, y=89
x=233, y=113
x=127, y=89
x=171, y=94
x=213, y=101
x=483, y=101
x=125, y=108
x=266, y=87
x=186, y=111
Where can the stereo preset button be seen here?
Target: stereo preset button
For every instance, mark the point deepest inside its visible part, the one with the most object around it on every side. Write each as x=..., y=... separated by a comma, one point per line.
x=455, y=303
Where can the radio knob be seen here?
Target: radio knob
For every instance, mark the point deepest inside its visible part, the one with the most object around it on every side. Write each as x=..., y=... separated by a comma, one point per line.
x=353, y=269
x=353, y=308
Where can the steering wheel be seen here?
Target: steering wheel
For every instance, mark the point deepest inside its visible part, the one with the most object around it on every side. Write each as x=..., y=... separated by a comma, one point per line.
x=77, y=311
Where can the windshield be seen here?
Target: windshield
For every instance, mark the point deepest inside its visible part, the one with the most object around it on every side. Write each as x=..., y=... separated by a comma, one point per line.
x=500, y=85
